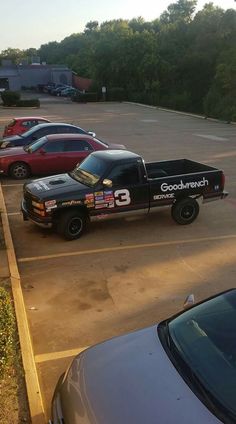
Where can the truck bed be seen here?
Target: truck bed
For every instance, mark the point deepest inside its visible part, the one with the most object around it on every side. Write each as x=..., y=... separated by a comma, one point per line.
x=175, y=167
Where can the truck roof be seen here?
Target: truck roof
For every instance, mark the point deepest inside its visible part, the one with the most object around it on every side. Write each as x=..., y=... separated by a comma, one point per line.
x=116, y=155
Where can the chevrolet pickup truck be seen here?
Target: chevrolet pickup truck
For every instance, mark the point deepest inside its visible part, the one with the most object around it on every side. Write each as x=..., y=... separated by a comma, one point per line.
x=118, y=183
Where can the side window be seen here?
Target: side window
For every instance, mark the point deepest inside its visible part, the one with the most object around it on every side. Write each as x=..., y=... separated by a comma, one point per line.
x=29, y=124
x=77, y=146
x=77, y=131
x=43, y=131
x=40, y=122
x=123, y=175
x=54, y=146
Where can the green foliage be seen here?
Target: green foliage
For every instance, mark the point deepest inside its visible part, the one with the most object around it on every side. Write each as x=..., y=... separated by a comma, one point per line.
x=28, y=103
x=10, y=98
x=85, y=97
x=116, y=94
x=181, y=60
x=7, y=330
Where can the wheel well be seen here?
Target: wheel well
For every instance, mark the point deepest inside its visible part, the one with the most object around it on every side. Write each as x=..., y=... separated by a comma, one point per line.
x=19, y=162
x=59, y=212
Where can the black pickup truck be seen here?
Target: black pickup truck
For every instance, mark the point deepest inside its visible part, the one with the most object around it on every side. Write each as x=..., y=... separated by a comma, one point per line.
x=115, y=183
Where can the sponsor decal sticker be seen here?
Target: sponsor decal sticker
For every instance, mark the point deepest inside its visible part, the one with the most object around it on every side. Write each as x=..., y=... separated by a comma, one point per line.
x=98, y=193
x=111, y=204
x=50, y=203
x=71, y=203
x=183, y=186
x=103, y=205
x=163, y=196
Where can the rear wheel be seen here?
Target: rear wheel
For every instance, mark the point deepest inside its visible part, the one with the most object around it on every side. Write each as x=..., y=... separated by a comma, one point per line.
x=19, y=170
x=185, y=211
x=72, y=224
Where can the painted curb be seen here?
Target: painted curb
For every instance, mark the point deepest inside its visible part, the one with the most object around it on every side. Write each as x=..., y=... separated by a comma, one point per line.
x=31, y=376
x=177, y=112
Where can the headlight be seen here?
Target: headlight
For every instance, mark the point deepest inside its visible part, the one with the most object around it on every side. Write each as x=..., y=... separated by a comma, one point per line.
x=38, y=205
x=5, y=144
x=42, y=213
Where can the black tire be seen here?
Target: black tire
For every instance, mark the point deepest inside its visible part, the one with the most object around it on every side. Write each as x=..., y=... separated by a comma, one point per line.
x=72, y=224
x=185, y=211
x=19, y=170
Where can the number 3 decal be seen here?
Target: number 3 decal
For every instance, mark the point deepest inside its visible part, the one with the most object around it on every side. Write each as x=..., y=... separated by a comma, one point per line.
x=122, y=197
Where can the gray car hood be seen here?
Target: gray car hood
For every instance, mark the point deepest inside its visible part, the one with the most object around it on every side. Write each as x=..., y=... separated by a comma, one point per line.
x=129, y=380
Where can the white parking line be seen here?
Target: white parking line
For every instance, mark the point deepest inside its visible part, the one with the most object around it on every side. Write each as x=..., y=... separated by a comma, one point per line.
x=13, y=213
x=128, y=247
x=211, y=137
x=52, y=356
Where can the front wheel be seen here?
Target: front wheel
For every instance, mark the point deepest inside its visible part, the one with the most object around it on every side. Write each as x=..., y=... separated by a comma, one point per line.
x=72, y=224
x=185, y=211
x=19, y=170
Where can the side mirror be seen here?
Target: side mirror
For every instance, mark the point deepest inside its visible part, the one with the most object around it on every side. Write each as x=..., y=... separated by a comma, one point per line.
x=93, y=134
x=189, y=301
x=107, y=183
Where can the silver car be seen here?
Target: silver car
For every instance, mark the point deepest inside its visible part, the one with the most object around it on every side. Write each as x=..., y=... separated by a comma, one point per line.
x=181, y=371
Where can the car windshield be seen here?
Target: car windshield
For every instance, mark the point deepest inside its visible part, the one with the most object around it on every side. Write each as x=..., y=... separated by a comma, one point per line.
x=35, y=145
x=101, y=142
x=204, y=337
x=90, y=171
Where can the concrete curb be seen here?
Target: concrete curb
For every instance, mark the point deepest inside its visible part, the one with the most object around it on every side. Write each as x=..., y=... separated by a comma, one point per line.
x=177, y=112
x=31, y=376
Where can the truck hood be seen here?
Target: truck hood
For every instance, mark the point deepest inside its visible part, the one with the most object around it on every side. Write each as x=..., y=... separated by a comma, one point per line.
x=12, y=151
x=55, y=187
x=129, y=379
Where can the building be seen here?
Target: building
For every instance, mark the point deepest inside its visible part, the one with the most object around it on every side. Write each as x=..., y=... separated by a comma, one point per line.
x=16, y=77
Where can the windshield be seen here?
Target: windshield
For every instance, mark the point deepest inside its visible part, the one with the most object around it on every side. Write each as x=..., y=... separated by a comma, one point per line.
x=204, y=337
x=101, y=142
x=90, y=171
x=35, y=145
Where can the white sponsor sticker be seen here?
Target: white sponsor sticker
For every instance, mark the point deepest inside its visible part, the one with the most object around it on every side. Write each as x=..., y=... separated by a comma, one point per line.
x=183, y=186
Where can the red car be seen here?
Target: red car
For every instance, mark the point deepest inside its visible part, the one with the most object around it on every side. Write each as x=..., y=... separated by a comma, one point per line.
x=51, y=154
x=20, y=125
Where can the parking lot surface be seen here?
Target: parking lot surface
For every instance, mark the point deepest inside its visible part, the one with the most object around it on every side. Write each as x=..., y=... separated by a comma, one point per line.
x=126, y=274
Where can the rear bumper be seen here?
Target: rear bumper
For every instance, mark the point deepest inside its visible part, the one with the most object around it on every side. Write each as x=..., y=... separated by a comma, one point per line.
x=45, y=222
x=215, y=196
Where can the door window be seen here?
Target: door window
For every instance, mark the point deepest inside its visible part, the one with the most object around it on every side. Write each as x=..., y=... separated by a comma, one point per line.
x=77, y=146
x=123, y=175
x=54, y=146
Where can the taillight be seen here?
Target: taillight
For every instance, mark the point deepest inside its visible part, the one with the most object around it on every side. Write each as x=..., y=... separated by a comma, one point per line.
x=222, y=180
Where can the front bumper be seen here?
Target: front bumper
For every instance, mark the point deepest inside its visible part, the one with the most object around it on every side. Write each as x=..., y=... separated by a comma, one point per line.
x=45, y=222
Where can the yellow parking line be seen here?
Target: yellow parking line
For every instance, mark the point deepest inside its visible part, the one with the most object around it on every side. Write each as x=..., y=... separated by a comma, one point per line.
x=128, y=247
x=52, y=356
x=13, y=185
x=31, y=377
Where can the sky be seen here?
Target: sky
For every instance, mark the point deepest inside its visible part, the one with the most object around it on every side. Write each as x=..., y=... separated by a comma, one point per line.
x=30, y=23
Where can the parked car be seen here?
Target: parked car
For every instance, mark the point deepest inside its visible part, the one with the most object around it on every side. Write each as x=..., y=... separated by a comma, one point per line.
x=69, y=91
x=182, y=370
x=116, y=183
x=20, y=125
x=49, y=155
x=41, y=130
x=57, y=90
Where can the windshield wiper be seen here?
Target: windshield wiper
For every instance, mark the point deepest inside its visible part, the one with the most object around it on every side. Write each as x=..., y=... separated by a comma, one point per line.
x=191, y=379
